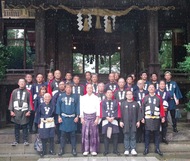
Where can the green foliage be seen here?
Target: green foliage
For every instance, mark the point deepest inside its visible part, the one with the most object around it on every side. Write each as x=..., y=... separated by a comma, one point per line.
x=187, y=105
x=187, y=46
x=4, y=59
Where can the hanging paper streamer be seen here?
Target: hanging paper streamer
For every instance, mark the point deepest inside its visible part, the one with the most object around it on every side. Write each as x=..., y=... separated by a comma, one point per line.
x=90, y=20
x=80, y=23
x=108, y=28
x=105, y=22
x=113, y=21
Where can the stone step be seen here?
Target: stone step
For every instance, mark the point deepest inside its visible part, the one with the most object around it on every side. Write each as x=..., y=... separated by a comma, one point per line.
x=170, y=148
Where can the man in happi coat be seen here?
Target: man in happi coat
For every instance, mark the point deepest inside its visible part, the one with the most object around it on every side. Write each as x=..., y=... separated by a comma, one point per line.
x=53, y=86
x=144, y=77
x=172, y=87
x=20, y=105
x=46, y=124
x=152, y=115
x=120, y=92
x=154, y=80
x=165, y=95
x=110, y=112
x=129, y=84
x=89, y=114
x=112, y=85
x=67, y=109
x=101, y=94
x=54, y=101
x=130, y=121
x=77, y=88
x=139, y=94
x=95, y=83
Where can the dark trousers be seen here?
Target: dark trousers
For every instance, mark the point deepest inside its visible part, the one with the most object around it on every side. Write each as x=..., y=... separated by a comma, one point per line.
x=164, y=126
x=140, y=133
x=51, y=144
x=63, y=139
x=114, y=137
x=58, y=132
x=24, y=131
x=174, y=121
x=156, y=138
x=30, y=124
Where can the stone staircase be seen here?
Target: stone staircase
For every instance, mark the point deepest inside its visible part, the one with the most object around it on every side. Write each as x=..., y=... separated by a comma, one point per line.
x=179, y=144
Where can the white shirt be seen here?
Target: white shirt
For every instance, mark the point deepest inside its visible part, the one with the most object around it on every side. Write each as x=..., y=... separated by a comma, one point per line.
x=89, y=104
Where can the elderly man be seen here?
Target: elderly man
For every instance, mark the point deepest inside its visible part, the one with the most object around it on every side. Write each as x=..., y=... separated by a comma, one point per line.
x=20, y=106
x=89, y=114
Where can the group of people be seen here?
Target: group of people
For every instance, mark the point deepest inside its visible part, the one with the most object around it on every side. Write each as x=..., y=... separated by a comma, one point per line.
x=63, y=107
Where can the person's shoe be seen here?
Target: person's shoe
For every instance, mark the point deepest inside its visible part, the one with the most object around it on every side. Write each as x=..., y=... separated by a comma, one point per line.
x=15, y=143
x=133, y=152
x=26, y=143
x=74, y=152
x=93, y=153
x=159, y=152
x=51, y=152
x=61, y=152
x=164, y=141
x=41, y=154
x=126, y=152
x=117, y=153
x=105, y=153
x=175, y=129
x=145, y=152
x=85, y=153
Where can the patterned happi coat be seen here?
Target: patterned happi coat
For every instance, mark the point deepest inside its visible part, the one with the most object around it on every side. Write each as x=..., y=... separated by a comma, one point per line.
x=101, y=96
x=165, y=95
x=152, y=111
x=139, y=95
x=78, y=89
x=130, y=114
x=175, y=93
x=120, y=95
x=67, y=108
x=111, y=86
x=45, y=118
x=20, y=103
x=53, y=87
x=35, y=89
x=110, y=108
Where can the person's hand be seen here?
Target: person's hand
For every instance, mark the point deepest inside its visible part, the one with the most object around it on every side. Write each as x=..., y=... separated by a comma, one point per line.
x=38, y=125
x=163, y=119
x=60, y=120
x=143, y=121
x=82, y=121
x=138, y=124
x=96, y=121
x=121, y=124
x=12, y=114
x=76, y=119
x=28, y=114
x=177, y=102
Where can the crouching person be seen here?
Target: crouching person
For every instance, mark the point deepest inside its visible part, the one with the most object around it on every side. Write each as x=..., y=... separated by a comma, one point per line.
x=130, y=116
x=46, y=124
x=110, y=112
x=67, y=109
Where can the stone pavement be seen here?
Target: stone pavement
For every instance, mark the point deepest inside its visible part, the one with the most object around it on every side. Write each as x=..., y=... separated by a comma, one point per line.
x=101, y=159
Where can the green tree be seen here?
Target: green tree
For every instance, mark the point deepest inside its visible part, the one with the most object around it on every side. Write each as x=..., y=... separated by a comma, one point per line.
x=4, y=59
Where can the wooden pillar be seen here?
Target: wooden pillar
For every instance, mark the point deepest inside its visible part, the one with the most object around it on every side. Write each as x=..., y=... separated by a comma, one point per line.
x=3, y=106
x=128, y=49
x=40, y=63
x=154, y=65
x=64, y=46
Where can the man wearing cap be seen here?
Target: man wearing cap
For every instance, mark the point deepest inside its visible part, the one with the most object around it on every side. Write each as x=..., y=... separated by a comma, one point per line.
x=172, y=87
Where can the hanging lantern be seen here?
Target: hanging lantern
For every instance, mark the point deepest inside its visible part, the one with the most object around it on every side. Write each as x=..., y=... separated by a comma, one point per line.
x=98, y=24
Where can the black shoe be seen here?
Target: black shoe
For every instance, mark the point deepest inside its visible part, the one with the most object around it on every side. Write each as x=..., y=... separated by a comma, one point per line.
x=175, y=129
x=145, y=152
x=117, y=153
x=74, y=152
x=51, y=152
x=61, y=152
x=164, y=141
x=42, y=154
x=105, y=153
x=159, y=152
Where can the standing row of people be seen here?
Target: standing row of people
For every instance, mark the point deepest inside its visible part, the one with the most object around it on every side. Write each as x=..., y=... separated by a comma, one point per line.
x=118, y=103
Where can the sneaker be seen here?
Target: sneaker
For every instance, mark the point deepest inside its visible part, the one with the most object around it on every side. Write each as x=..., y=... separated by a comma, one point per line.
x=93, y=153
x=85, y=153
x=26, y=143
x=126, y=152
x=133, y=152
x=15, y=143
